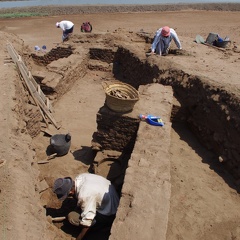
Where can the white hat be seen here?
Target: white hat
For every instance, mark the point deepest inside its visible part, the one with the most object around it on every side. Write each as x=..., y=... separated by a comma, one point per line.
x=57, y=24
x=36, y=48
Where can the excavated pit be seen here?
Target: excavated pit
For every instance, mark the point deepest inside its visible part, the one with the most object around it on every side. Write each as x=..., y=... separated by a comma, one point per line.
x=54, y=54
x=209, y=110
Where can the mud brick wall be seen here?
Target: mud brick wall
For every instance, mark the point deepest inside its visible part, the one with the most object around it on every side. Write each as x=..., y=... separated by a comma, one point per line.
x=99, y=66
x=133, y=71
x=54, y=54
x=115, y=131
x=105, y=55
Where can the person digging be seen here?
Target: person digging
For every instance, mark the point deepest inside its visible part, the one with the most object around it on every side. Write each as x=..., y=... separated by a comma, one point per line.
x=97, y=201
x=67, y=28
x=162, y=41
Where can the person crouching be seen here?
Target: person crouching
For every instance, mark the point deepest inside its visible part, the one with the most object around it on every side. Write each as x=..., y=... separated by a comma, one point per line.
x=162, y=40
x=97, y=201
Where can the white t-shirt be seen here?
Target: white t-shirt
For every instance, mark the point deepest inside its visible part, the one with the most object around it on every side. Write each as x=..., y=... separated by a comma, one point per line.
x=64, y=25
x=95, y=193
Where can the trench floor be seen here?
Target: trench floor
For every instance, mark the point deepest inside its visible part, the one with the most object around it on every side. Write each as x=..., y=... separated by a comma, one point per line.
x=198, y=185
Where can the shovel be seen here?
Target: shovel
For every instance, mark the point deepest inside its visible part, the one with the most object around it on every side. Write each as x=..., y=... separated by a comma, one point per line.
x=47, y=159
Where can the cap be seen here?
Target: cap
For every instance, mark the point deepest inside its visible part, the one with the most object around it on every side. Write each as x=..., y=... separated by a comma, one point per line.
x=62, y=187
x=165, y=31
x=57, y=24
x=36, y=48
x=44, y=47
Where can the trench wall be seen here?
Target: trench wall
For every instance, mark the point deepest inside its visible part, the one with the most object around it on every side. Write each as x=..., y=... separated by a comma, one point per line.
x=60, y=77
x=146, y=192
x=210, y=110
x=54, y=54
x=115, y=131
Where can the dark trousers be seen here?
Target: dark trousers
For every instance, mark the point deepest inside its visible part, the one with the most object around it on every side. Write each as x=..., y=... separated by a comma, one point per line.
x=66, y=33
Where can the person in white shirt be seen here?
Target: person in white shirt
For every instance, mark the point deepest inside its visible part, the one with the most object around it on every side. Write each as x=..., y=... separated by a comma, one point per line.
x=67, y=27
x=97, y=201
x=162, y=40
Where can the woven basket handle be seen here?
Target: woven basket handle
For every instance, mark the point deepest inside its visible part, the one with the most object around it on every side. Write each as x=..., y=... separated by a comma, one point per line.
x=107, y=84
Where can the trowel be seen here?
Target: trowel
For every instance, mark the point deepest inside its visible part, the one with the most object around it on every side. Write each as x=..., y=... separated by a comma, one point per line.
x=47, y=159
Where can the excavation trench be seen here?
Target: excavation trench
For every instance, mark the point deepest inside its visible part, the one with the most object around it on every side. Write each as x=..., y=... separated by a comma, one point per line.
x=209, y=110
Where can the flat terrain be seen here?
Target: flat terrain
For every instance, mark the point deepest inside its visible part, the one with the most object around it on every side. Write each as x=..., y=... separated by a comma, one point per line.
x=205, y=203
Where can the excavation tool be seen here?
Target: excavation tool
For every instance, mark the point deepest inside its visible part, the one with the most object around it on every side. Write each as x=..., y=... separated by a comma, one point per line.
x=200, y=39
x=47, y=159
x=55, y=219
x=58, y=219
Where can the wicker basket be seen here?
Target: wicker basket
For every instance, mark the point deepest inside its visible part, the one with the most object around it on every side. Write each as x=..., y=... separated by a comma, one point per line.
x=120, y=97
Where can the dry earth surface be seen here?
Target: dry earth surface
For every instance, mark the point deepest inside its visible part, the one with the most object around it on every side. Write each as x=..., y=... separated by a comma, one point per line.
x=205, y=201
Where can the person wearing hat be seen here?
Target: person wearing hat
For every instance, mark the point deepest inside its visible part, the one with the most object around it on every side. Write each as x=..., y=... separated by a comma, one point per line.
x=162, y=40
x=67, y=28
x=97, y=201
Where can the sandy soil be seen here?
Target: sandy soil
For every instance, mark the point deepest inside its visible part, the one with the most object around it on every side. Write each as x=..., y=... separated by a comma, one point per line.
x=205, y=202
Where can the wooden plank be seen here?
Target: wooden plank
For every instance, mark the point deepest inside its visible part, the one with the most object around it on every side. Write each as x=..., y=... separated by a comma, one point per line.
x=31, y=78
x=17, y=59
x=11, y=52
x=42, y=95
x=39, y=90
x=36, y=102
x=49, y=105
x=38, y=96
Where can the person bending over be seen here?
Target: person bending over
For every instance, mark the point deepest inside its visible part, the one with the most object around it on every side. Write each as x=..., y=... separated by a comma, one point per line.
x=97, y=201
x=162, y=40
x=67, y=28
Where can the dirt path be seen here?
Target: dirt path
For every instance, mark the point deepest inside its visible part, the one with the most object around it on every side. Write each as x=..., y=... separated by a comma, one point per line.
x=204, y=202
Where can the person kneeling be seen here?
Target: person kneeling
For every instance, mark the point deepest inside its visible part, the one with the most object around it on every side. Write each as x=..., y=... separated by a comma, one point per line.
x=162, y=41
